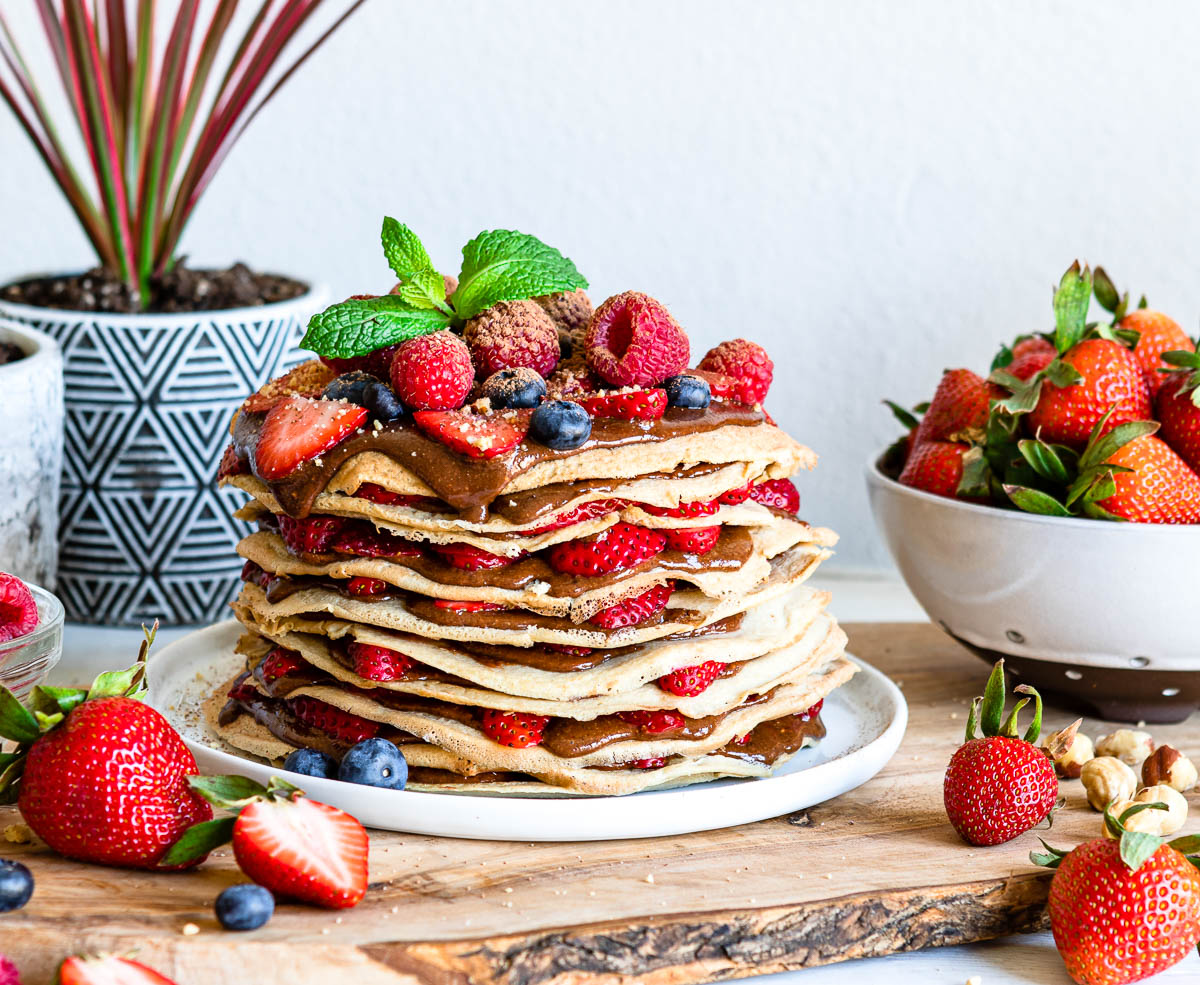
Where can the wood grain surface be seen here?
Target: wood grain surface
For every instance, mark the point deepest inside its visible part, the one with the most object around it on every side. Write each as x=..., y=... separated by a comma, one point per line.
x=877, y=870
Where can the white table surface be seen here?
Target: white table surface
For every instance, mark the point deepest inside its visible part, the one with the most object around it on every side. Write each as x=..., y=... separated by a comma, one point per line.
x=1022, y=960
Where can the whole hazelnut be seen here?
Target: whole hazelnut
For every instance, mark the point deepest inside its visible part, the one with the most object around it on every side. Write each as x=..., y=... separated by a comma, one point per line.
x=1150, y=821
x=1068, y=750
x=1106, y=779
x=1174, y=817
x=1128, y=745
x=1167, y=765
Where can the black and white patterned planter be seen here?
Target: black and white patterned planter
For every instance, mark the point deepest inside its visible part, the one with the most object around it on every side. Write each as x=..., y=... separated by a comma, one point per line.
x=144, y=533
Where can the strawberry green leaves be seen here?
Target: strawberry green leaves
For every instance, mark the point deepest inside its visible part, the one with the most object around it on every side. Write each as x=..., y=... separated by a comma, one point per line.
x=501, y=265
x=505, y=265
x=987, y=713
x=1071, y=302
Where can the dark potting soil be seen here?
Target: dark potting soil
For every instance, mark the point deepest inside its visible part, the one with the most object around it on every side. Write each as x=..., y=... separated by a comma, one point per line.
x=180, y=290
x=10, y=352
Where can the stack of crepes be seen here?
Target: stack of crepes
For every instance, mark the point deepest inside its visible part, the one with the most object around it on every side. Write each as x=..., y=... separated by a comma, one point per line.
x=395, y=587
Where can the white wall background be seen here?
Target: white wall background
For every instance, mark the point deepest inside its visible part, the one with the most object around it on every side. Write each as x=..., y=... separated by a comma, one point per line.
x=874, y=190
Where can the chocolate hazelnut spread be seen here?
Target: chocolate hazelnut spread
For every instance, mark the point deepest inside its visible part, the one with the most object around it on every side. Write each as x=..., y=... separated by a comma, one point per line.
x=772, y=740
x=467, y=484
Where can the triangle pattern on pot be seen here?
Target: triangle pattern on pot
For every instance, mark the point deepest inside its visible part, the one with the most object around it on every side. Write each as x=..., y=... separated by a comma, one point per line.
x=204, y=539
x=201, y=431
x=148, y=458
x=94, y=435
x=208, y=368
x=149, y=525
x=144, y=354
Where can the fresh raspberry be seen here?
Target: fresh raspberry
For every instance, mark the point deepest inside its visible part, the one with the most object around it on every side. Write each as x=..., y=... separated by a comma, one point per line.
x=736, y=496
x=332, y=721
x=693, y=540
x=779, y=494
x=468, y=557
x=632, y=340
x=475, y=435
x=432, y=372
x=746, y=362
x=687, y=682
x=378, y=663
x=9, y=975
x=635, y=610
x=509, y=335
x=459, y=605
x=634, y=404
x=684, y=511
x=385, y=497
x=281, y=663
x=812, y=712
x=515, y=729
x=366, y=587
x=18, y=610
x=654, y=722
x=361, y=540
x=311, y=534
x=588, y=511
x=616, y=548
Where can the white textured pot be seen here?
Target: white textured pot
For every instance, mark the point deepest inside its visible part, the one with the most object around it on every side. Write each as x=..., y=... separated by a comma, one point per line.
x=31, y=449
x=144, y=534
x=1101, y=613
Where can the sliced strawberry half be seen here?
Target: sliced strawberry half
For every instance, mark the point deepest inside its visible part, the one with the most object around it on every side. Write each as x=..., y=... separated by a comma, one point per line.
x=363, y=587
x=687, y=682
x=620, y=546
x=311, y=534
x=812, y=712
x=460, y=605
x=282, y=663
x=298, y=429
x=516, y=729
x=570, y=651
x=684, y=511
x=474, y=435
x=362, y=541
x=649, y=764
x=588, y=511
x=635, y=610
x=736, y=496
x=693, y=540
x=332, y=720
x=385, y=497
x=107, y=971
x=468, y=557
x=628, y=404
x=779, y=494
x=379, y=663
x=654, y=722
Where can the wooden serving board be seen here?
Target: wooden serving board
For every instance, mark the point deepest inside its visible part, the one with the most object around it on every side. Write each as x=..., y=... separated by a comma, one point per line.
x=875, y=871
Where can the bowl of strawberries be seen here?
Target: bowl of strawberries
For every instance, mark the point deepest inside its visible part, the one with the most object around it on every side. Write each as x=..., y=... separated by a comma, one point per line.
x=1049, y=512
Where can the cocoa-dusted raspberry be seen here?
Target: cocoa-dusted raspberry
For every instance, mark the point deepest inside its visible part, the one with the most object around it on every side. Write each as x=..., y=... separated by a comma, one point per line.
x=571, y=311
x=632, y=340
x=512, y=334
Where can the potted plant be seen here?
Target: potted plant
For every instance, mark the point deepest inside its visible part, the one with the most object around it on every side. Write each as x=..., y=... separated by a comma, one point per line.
x=156, y=355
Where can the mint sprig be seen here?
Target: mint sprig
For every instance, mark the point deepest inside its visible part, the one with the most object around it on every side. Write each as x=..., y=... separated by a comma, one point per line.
x=499, y=265
x=505, y=265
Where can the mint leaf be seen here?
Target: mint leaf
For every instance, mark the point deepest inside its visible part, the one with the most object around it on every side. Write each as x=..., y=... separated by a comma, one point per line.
x=421, y=285
x=505, y=265
x=356, y=327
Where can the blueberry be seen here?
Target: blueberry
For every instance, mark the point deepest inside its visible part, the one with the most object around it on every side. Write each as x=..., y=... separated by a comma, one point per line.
x=381, y=400
x=16, y=885
x=349, y=386
x=520, y=387
x=311, y=762
x=244, y=906
x=561, y=424
x=375, y=762
x=687, y=391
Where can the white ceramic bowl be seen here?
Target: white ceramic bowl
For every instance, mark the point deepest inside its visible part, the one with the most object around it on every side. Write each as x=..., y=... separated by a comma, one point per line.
x=1102, y=614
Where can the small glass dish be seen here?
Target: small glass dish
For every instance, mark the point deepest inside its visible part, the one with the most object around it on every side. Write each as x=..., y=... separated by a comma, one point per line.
x=26, y=660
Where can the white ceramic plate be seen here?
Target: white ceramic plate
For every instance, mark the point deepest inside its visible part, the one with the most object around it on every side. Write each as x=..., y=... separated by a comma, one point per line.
x=865, y=720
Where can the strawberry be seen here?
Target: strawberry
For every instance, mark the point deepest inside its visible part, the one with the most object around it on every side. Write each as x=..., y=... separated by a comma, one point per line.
x=102, y=776
x=687, y=682
x=935, y=467
x=298, y=429
x=432, y=372
x=736, y=496
x=1125, y=907
x=654, y=722
x=959, y=409
x=458, y=605
x=515, y=729
x=1177, y=406
x=1160, y=488
x=471, y=558
x=311, y=534
x=684, y=511
x=373, y=543
x=18, y=610
x=230, y=465
x=378, y=663
x=693, y=540
x=571, y=651
x=332, y=721
x=812, y=711
x=1031, y=356
x=635, y=610
x=649, y=764
x=779, y=494
x=364, y=587
x=616, y=548
x=385, y=497
x=9, y=975
x=747, y=363
x=109, y=970
x=281, y=663
x=308, y=379
x=475, y=435
x=999, y=786
x=630, y=404
x=588, y=511
x=287, y=843
x=1157, y=334
x=255, y=575
x=1107, y=377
